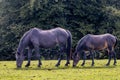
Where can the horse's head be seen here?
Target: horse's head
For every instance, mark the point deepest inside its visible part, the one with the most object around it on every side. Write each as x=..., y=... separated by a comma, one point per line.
x=19, y=59
x=76, y=59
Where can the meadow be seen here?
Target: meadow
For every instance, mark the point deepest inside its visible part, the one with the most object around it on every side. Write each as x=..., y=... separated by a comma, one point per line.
x=48, y=71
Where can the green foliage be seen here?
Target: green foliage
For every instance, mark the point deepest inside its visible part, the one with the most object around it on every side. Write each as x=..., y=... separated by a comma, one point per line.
x=48, y=71
x=81, y=17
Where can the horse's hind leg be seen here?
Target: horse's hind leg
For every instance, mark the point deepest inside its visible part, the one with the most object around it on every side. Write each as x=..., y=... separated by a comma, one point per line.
x=92, y=55
x=114, y=55
x=38, y=56
x=29, y=57
x=68, y=59
x=60, y=57
x=110, y=55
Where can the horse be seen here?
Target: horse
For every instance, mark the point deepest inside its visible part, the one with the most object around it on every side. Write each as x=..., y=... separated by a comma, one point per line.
x=90, y=43
x=37, y=38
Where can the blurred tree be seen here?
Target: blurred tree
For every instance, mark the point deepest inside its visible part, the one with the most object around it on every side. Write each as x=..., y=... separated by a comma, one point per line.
x=81, y=17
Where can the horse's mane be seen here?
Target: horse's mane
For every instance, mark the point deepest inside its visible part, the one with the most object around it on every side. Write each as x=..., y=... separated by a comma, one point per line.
x=22, y=39
x=25, y=34
x=82, y=39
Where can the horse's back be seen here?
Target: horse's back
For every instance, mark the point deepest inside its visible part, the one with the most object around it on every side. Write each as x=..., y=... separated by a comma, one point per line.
x=42, y=37
x=103, y=38
x=54, y=30
x=48, y=38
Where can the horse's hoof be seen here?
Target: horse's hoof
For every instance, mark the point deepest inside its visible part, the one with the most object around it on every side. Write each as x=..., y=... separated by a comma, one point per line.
x=18, y=67
x=27, y=65
x=114, y=64
x=107, y=64
x=66, y=64
x=82, y=64
x=39, y=66
x=74, y=65
x=92, y=65
x=57, y=65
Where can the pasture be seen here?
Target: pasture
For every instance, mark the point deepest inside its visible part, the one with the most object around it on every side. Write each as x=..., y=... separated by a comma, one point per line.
x=48, y=71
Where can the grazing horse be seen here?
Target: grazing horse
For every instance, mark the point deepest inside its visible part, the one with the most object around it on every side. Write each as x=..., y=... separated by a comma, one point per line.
x=36, y=38
x=90, y=43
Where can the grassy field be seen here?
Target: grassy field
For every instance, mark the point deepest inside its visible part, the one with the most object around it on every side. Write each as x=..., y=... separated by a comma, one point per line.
x=48, y=71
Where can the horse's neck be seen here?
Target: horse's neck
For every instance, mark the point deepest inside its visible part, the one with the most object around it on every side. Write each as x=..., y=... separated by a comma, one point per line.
x=23, y=41
x=21, y=47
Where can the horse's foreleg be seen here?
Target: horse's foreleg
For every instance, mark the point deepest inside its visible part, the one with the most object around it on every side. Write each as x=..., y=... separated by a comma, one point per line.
x=60, y=57
x=92, y=55
x=38, y=56
x=114, y=55
x=84, y=58
x=29, y=57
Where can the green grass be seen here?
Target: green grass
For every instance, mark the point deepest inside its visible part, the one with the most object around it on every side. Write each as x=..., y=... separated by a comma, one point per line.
x=48, y=71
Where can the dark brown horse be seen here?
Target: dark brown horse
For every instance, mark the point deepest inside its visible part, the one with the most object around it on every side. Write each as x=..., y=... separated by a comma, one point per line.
x=90, y=43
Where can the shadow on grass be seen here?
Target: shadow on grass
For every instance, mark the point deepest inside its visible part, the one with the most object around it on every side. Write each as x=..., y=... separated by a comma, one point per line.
x=95, y=67
x=38, y=68
x=69, y=67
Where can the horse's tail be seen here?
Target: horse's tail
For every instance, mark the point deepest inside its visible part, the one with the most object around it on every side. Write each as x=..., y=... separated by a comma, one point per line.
x=116, y=41
x=69, y=43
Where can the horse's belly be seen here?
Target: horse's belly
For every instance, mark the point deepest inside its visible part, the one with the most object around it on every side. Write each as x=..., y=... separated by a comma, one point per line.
x=48, y=45
x=100, y=47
